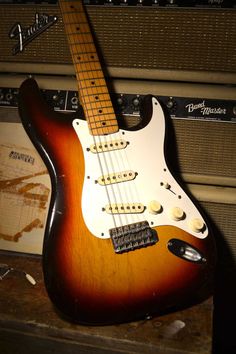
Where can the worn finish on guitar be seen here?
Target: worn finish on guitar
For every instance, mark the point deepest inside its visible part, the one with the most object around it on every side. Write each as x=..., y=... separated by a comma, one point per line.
x=87, y=279
x=84, y=277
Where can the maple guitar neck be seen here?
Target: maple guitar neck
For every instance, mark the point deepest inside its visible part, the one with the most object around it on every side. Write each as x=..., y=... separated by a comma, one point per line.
x=92, y=87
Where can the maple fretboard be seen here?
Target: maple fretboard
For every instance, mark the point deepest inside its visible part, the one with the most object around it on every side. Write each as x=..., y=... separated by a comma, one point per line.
x=92, y=88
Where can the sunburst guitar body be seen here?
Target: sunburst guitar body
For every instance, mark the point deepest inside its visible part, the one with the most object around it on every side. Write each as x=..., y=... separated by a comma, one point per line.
x=123, y=241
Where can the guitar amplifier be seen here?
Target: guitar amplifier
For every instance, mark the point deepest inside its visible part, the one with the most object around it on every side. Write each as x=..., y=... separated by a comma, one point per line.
x=167, y=40
x=201, y=146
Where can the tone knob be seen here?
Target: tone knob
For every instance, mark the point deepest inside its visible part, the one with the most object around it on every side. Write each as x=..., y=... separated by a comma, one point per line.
x=154, y=207
x=177, y=214
x=196, y=225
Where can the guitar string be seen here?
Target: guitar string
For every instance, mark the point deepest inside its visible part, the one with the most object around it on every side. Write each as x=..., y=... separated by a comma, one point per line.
x=105, y=166
x=96, y=141
x=112, y=169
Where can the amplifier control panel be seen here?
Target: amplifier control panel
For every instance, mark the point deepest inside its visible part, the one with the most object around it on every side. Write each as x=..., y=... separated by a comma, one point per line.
x=129, y=104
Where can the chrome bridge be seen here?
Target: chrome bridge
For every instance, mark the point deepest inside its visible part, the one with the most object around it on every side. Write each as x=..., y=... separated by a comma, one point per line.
x=133, y=236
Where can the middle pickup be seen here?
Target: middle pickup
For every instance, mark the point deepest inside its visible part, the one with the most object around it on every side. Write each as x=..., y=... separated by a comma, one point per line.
x=116, y=177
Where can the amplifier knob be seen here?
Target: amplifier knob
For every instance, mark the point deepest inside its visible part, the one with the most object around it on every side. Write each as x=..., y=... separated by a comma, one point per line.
x=136, y=103
x=120, y=101
x=75, y=100
x=170, y=104
x=1, y=96
x=55, y=97
x=9, y=96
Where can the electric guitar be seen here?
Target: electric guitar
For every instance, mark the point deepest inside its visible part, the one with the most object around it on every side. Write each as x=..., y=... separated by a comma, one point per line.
x=123, y=241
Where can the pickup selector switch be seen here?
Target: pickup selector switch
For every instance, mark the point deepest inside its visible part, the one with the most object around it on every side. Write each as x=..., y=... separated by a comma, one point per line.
x=176, y=214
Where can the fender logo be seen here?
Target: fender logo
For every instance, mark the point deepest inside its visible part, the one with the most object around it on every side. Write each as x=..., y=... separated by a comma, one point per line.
x=26, y=35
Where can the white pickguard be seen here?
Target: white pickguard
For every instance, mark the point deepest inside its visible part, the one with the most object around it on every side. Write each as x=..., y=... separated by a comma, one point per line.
x=144, y=154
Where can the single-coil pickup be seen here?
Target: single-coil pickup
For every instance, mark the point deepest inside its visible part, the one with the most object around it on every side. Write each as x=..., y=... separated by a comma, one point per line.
x=125, y=208
x=108, y=146
x=116, y=177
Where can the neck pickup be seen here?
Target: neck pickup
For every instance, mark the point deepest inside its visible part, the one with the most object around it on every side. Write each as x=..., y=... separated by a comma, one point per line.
x=92, y=87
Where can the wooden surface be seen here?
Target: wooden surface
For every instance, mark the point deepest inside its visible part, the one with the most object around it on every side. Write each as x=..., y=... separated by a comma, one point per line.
x=29, y=323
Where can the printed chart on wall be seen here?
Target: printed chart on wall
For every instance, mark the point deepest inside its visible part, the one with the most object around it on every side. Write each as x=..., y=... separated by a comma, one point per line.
x=24, y=192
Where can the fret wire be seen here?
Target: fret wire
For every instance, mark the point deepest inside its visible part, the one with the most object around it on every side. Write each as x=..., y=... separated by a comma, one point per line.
x=93, y=86
x=90, y=91
x=100, y=107
x=103, y=115
x=93, y=52
x=85, y=62
x=73, y=19
x=105, y=100
x=91, y=107
x=87, y=71
x=102, y=94
x=82, y=47
x=94, y=68
x=93, y=124
x=76, y=23
x=80, y=42
x=79, y=62
x=89, y=74
x=97, y=78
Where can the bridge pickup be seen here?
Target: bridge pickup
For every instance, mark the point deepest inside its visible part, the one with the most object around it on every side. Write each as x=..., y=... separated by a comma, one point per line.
x=133, y=236
x=105, y=146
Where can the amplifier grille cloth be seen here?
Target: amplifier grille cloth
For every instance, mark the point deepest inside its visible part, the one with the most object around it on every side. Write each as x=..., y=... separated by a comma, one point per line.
x=138, y=37
x=206, y=147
